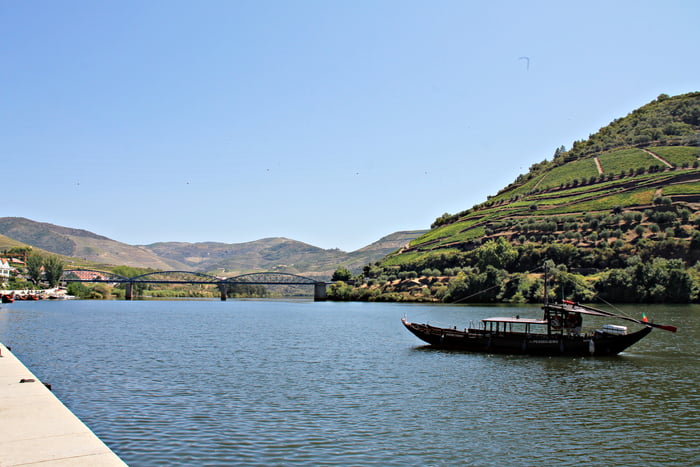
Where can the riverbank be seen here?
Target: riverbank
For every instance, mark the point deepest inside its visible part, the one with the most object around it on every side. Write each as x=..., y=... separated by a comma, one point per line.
x=37, y=429
x=56, y=293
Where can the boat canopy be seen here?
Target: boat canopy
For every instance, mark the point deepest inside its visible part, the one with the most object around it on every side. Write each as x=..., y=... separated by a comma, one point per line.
x=579, y=309
x=515, y=319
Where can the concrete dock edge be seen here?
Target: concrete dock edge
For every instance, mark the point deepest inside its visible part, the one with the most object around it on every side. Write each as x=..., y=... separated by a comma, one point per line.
x=37, y=429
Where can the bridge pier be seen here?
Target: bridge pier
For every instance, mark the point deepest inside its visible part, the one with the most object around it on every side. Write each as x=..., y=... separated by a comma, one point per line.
x=320, y=292
x=222, y=289
x=129, y=291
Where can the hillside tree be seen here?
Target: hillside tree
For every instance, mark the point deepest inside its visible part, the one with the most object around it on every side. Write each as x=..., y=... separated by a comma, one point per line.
x=53, y=268
x=341, y=274
x=34, y=265
x=497, y=253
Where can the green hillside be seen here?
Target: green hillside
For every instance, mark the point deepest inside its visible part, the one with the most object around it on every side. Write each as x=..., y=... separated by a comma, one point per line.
x=624, y=200
x=7, y=243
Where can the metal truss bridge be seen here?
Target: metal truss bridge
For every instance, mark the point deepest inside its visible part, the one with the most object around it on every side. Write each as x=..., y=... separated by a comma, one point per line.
x=189, y=277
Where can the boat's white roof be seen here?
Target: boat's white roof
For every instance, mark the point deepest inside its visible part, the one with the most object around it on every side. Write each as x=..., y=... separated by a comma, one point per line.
x=514, y=319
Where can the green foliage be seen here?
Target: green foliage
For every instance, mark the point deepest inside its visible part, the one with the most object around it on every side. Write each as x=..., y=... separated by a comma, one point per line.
x=408, y=275
x=659, y=281
x=626, y=159
x=246, y=290
x=18, y=251
x=477, y=287
x=690, y=188
x=53, y=270
x=446, y=218
x=130, y=271
x=626, y=199
x=571, y=286
x=34, y=265
x=340, y=291
x=496, y=253
x=41, y=267
x=566, y=174
x=420, y=257
x=91, y=291
x=678, y=155
x=523, y=288
x=441, y=232
x=372, y=271
x=16, y=283
x=341, y=274
x=428, y=272
x=78, y=289
x=662, y=121
x=101, y=292
x=566, y=211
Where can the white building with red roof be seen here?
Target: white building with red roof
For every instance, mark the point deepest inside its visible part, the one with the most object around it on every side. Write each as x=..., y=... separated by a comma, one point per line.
x=5, y=269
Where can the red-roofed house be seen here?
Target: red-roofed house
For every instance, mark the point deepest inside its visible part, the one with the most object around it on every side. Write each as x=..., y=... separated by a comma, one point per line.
x=89, y=275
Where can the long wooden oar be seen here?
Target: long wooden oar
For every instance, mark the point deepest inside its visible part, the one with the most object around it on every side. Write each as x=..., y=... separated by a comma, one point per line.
x=665, y=327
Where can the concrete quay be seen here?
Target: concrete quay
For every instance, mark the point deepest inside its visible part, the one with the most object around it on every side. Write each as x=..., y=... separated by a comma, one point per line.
x=36, y=429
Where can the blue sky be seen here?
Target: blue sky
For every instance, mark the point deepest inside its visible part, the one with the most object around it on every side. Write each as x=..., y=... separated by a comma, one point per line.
x=329, y=122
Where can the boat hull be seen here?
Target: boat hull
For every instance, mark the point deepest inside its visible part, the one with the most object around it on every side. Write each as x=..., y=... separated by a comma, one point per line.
x=477, y=340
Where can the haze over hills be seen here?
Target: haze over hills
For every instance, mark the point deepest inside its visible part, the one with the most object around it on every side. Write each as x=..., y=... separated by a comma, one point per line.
x=277, y=254
x=270, y=254
x=81, y=244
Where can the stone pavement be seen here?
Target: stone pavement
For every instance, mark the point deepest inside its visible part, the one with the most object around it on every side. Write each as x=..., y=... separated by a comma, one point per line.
x=36, y=429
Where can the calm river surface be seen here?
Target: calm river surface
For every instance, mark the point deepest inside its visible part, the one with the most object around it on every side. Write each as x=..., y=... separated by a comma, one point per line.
x=303, y=383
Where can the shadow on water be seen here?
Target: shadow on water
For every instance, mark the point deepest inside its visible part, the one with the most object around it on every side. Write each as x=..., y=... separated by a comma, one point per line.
x=507, y=356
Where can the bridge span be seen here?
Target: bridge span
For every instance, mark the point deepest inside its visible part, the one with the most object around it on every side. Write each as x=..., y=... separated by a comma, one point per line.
x=190, y=277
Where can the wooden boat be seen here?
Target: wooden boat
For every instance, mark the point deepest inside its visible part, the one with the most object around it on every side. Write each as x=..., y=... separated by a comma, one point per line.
x=26, y=296
x=557, y=333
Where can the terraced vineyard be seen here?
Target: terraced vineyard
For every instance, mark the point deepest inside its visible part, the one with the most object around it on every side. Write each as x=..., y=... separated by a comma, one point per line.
x=679, y=156
x=625, y=198
x=636, y=193
x=627, y=160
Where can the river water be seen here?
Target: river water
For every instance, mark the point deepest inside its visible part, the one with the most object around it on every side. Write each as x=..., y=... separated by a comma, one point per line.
x=302, y=383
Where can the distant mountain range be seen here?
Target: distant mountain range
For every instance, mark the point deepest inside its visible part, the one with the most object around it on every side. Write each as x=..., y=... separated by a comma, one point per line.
x=269, y=254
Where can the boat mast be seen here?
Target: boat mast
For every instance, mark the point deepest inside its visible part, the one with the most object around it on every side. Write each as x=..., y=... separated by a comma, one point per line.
x=545, y=284
x=547, y=316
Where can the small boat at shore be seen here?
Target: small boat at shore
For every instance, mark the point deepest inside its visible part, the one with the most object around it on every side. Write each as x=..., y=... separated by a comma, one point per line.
x=26, y=297
x=559, y=332
x=6, y=298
